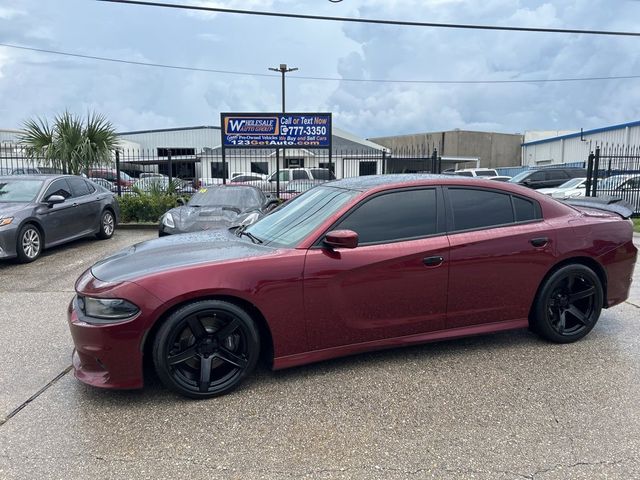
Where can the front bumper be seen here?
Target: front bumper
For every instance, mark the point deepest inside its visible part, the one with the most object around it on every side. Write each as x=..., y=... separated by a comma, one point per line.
x=110, y=355
x=8, y=239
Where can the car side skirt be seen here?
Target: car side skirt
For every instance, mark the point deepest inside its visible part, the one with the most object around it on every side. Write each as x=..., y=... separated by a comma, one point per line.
x=345, y=350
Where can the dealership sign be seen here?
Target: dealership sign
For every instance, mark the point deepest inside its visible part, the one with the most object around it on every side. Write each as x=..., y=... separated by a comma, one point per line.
x=259, y=130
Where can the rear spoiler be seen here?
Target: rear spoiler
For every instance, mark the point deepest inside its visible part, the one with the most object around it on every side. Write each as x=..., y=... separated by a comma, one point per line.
x=605, y=203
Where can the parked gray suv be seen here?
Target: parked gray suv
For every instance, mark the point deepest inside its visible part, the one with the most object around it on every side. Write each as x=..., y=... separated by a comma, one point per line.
x=547, y=177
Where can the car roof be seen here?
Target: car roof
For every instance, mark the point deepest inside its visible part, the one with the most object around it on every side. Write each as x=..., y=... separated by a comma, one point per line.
x=43, y=177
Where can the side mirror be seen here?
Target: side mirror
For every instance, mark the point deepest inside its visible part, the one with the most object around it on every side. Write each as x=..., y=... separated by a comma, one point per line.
x=55, y=199
x=341, y=239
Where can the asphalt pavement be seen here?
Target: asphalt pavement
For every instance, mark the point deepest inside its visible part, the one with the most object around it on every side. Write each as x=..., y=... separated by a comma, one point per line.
x=503, y=406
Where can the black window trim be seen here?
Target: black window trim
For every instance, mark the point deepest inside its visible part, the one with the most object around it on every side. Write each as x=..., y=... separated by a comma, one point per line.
x=440, y=220
x=450, y=227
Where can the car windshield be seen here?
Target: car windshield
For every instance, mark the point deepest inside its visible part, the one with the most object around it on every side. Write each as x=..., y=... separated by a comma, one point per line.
x=292, y=222
x=520, y=176
x=573, y=183
x=19, y=190
x=244, y=198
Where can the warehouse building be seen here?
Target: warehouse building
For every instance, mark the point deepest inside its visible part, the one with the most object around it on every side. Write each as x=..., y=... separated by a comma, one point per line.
x=575, y=147
x=196, y=152
x=461, y=148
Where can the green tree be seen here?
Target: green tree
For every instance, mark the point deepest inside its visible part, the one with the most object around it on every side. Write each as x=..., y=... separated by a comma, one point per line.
x=70, y=144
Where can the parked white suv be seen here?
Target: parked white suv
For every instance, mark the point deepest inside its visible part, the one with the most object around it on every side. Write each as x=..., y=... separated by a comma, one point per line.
x=476, y=172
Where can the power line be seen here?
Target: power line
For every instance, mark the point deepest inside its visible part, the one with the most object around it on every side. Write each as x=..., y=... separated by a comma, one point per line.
x=323, y=79
x=374, y=21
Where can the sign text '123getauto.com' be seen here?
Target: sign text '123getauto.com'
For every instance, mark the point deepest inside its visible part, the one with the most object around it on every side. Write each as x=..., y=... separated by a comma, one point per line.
x=312, y=130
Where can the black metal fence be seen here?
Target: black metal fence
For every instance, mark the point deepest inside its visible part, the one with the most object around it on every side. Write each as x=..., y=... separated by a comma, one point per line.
x=614, y=170
x=284, y=173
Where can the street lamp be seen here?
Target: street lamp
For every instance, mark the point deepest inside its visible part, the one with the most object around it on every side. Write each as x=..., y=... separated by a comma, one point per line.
x=283, y=69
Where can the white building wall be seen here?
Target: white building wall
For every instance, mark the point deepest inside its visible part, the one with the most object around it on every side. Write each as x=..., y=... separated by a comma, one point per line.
x=576, y=149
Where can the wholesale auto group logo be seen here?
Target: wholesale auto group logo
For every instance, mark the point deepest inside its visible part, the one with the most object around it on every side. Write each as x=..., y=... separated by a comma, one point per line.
x=251, y=126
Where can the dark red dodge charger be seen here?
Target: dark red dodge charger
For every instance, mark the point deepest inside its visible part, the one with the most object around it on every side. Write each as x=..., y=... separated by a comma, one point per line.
x=349, y=266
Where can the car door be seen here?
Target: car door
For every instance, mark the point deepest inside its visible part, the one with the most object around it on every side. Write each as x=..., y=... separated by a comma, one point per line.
x=58, y=220
x=500, y=250
x=394, y=283
x=87, y=216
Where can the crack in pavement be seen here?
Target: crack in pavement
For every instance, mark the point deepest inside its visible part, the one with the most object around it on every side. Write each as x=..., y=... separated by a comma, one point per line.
x=313, y=472
x=34, y=396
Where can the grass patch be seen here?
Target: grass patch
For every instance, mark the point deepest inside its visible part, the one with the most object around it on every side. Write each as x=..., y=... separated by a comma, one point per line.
x=636, y=224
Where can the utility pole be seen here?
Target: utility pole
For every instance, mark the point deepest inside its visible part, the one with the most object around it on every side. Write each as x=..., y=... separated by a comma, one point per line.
x=284, y=70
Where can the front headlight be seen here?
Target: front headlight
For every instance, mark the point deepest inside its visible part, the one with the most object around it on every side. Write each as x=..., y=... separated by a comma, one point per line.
x=251, y=218
x=168, y=221
x=107, y=308
x=5, y=221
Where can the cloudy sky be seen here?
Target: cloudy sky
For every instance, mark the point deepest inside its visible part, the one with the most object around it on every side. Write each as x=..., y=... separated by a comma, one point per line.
x=138, y=97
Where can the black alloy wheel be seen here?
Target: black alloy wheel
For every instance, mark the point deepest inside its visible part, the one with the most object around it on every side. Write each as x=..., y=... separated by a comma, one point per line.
x=569, y=304
x=206, y=348
x=107, y=225
x=29, y=244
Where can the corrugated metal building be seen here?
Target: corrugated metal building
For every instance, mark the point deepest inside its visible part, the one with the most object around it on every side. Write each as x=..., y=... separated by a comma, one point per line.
x=576, y=146
x=196, y=153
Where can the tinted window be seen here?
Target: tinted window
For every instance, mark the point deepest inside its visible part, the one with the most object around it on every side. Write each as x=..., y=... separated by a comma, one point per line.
x=556, y=175
x=58, y=187
x=322, y=174
x=464, y=174
x=78, y=186
x=525, y=209
x=479, y=208
x=300, y=175
x=90, y=186
x=393, y=216
x=536, y=177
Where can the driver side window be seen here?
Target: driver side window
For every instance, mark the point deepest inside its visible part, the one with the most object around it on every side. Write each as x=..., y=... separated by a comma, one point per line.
x=58, y=187
x=393, y=217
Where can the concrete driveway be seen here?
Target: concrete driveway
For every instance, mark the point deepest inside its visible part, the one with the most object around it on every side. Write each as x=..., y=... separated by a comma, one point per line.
x=505, y=406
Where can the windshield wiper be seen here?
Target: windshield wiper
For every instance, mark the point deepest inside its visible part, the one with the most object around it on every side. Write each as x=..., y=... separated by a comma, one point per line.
x=240, y=231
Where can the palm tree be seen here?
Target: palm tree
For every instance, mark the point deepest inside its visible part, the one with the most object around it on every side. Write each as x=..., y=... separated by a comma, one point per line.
x=70, y=144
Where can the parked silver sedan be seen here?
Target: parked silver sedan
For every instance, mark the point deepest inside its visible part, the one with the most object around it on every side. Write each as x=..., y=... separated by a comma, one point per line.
x=40, y=211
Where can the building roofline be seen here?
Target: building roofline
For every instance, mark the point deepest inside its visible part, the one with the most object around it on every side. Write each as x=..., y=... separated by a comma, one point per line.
x=175, y=129
x=584, y=132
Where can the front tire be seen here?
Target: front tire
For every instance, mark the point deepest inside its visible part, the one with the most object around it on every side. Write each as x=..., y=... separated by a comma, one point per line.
x=206, y=349
x=29, y=244
x=107, y=225
x=569, y=304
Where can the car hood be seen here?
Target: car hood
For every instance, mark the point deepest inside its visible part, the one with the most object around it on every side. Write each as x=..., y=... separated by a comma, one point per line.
x=176, y=251
x=196, y=219
x=8, y=209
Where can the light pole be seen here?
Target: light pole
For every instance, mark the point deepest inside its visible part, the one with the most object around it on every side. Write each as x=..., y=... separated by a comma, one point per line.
x=284, y=70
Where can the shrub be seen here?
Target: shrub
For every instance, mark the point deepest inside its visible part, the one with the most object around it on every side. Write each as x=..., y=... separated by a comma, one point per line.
x=145, y=208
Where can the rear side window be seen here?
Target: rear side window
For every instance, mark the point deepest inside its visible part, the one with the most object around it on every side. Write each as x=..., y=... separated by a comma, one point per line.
x=394, y=216
x=557, y=175
x=300, y=175
x=479, y=208
x=90, y=186
x=78, y=186
x=321, y=174
x=525, y=210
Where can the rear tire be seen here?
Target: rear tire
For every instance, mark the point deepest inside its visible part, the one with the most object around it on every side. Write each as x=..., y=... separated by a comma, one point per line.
x=107, y=225
x=29, y=243
x=568, y=305
x=206, y=349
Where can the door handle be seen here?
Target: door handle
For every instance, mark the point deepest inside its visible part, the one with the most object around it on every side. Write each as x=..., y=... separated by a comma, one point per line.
x=433, y=261
x=539, y=242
